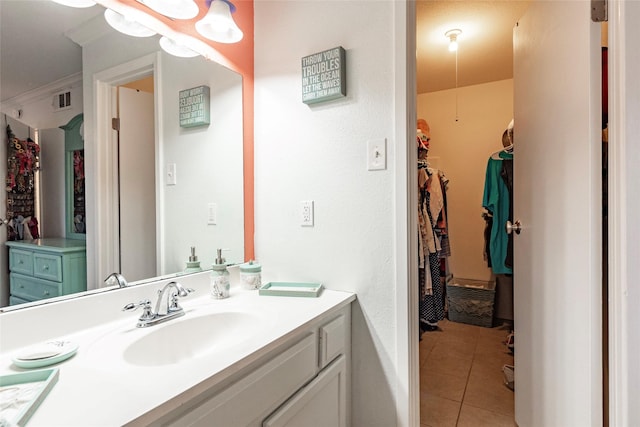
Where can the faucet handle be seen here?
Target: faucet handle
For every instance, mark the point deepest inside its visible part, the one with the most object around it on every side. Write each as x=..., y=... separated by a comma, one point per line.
x=147, y=313
x=173, y=300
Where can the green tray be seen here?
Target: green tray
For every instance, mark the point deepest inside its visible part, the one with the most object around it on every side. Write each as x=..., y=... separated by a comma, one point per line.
x=10, y=386
x=291, y=289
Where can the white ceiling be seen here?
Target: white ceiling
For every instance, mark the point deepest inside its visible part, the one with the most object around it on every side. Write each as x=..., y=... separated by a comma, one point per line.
x=35, y=52
x=485, y=51
x=33, y=48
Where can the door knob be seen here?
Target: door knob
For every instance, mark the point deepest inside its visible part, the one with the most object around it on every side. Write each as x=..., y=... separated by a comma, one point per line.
x=516, y=227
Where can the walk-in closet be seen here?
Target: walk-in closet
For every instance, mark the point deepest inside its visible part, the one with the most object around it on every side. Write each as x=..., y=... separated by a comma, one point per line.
x=467, y=149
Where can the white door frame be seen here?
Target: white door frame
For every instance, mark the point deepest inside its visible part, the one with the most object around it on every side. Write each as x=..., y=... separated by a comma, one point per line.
x=103, y=249
x=623, y=235
x=623, y=210
x=406, y=220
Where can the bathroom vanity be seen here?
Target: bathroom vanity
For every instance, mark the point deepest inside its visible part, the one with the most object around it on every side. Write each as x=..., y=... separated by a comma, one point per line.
x=46, y=268
x=247, y=360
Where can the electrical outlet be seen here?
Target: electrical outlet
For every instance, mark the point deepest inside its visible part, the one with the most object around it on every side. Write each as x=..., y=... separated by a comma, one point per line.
x=306, y=213
x=212, y=214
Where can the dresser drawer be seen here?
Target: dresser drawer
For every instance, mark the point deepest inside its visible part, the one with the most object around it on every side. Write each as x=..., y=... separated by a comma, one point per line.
x=15, y=300
x=47, y=266
x=21, y=261
x=32, y=289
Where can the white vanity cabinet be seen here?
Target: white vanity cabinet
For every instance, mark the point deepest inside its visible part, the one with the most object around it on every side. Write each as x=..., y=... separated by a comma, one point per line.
x=303, y=381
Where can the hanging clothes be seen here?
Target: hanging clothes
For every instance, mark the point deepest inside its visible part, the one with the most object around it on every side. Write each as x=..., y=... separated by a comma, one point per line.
x=496, y=201
x=431, y=229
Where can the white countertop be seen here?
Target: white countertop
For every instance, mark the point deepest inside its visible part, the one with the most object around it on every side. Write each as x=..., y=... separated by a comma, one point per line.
x=97, y=387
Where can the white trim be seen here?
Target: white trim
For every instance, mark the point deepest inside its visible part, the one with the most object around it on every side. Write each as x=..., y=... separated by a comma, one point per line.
x=160, y=202
x=103, y=250
x=43, y=92
x=618, y=255
x=408, y=377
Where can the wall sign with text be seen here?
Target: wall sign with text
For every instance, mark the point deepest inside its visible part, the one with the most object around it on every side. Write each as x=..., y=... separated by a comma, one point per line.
x=324, y=76
x=194, y=107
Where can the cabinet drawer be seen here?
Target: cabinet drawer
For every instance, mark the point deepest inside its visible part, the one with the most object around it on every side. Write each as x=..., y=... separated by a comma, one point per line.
x=21, y=261
x=332, y=340
x=31, y=289
x=248, y=401
x=47, y=266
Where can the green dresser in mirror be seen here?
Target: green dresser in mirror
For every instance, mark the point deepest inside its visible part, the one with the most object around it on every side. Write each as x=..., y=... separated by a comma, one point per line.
x=46, y=268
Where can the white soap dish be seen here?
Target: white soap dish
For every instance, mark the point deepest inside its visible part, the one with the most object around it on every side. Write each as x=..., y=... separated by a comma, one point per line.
x=45, y=354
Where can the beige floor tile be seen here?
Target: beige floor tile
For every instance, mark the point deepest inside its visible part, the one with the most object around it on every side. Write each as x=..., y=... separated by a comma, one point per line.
x=476, y=417
x=461, y=348
x=437, y=411
x=461, y=361
x=426, y=347
x=444, y=363
x=443, y=385
x=486, y=389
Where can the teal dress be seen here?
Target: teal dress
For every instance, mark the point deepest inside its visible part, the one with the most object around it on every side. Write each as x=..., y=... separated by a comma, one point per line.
x=496, y=201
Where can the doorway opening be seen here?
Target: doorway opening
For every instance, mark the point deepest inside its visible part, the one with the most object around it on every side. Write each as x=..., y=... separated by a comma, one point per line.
x=119, y=157
x=485, y=110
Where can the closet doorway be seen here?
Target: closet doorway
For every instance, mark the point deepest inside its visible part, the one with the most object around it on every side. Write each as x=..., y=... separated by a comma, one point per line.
x=558, y=253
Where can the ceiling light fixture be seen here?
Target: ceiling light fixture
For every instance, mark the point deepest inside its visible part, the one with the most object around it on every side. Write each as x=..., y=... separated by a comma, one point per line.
x=76, y=3
x=177, y=9
x=176, y=48
x=218, y=25
x=126, y=25
x=453, y=39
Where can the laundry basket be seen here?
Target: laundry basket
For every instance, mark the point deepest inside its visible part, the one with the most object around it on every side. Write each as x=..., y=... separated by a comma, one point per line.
x=471, y=301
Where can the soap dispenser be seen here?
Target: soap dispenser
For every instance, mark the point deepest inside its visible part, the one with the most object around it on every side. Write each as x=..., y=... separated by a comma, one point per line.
x=250, y=275
x=219, y=278
x=193, y=265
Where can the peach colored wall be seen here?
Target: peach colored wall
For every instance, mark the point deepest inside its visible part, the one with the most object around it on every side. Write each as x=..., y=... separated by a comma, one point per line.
x=461, y=149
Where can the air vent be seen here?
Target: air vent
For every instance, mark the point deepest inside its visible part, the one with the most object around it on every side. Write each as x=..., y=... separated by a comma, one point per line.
x=62, y=101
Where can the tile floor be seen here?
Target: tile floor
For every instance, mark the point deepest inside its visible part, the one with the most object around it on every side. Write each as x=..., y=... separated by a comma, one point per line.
x=461, y=380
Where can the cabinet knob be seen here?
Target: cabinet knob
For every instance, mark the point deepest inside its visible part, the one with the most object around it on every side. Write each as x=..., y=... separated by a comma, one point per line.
x=46, y=293
x=45, y=267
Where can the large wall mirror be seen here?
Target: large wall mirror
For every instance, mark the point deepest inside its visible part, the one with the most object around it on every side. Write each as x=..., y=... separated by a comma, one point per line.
x=154, y=189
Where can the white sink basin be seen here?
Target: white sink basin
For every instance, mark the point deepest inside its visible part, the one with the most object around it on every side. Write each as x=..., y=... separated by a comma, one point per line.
x=190, y=337
x=201, y=332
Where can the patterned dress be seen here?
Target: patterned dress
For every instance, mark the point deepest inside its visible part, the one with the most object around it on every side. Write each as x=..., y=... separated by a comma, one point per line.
x=431, y=308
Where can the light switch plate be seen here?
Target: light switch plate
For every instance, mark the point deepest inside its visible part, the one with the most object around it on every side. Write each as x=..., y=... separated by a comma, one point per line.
x=171, y=174
x=377, y=154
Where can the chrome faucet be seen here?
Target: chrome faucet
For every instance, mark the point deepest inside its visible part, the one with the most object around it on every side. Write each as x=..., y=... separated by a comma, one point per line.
x=118, y=278
x=150, y=317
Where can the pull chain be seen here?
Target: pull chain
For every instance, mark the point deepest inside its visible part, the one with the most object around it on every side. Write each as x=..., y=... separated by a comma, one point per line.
x=456, y=85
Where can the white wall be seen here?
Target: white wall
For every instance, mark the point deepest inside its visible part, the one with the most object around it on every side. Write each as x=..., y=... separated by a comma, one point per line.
x=319, y=153
x=461, y=149
x=209, y=166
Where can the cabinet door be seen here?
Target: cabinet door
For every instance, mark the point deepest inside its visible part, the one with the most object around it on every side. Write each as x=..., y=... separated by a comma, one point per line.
x=247, y=401
x=321, y=403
